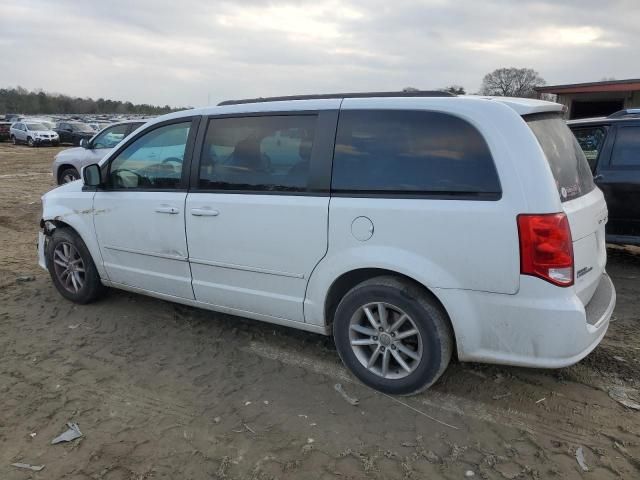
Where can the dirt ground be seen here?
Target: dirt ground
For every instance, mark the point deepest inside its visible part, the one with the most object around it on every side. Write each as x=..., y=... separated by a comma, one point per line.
x=162, y=391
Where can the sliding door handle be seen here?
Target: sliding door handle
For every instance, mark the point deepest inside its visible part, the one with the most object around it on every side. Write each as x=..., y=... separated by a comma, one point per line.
x=204, y=212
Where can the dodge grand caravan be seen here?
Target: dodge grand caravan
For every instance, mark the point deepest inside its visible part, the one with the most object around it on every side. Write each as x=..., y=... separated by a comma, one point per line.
x=410, y=227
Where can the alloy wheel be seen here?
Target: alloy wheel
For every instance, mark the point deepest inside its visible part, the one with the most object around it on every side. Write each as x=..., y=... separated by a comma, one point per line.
x=385, y=340
x=69, y=177
x=69, y=267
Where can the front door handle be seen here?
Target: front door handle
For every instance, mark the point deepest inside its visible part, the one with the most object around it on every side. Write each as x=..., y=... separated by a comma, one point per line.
x=598, y=177
x=204, y=212
x=167, y=209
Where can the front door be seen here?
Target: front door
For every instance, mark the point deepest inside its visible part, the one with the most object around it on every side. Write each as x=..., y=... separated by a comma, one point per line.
x=255, y=226
x=139, y=214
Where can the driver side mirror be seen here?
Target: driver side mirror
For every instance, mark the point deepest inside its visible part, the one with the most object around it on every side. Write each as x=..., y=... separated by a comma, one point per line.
x=84, y=143
x=91, y=175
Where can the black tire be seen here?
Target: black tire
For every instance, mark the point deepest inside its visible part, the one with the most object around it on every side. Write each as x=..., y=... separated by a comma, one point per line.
x=92, y=287
x=55, y=144
x=65, y=175
x=14, y=140
x=426, y=313
x=30, y=142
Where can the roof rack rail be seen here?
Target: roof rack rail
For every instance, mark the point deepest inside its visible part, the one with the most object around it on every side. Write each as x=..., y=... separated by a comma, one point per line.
x=418, y=93
x=625, y=112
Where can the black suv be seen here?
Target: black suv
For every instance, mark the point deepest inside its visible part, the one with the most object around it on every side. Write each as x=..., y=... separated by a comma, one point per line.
x=612, y=147
x=73, y=132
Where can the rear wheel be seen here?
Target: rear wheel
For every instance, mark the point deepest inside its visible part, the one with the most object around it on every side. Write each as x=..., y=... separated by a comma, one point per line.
x=392, y=335
x=14, y=140
x=71, y=267
x=68, y=175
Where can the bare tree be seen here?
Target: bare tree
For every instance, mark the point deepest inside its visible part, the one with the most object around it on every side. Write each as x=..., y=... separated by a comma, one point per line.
x=512, y=82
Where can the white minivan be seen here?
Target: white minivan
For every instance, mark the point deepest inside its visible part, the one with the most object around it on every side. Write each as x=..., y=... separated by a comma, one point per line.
x=410, y=226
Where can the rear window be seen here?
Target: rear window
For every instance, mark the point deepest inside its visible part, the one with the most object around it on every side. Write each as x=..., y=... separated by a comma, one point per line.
x=567, y=161
x=399, y=152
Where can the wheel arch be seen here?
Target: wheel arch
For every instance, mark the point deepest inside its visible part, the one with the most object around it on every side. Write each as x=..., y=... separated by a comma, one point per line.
x=347, y=280
x=61, y=168
x=81, y=223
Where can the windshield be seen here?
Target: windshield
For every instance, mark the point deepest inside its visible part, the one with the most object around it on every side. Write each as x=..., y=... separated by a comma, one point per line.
x=566, y=159
x=81, y=127
x=36, y=127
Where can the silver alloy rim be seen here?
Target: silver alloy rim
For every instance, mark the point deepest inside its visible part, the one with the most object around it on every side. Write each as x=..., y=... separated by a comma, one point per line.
x=69, y=177
x=69, y=267
x=385, y=340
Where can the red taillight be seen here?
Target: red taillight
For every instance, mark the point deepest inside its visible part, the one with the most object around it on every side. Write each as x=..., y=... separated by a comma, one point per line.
x=546, y=248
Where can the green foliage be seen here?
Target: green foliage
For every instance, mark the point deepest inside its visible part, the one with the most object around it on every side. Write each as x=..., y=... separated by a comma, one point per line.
x=23, y=101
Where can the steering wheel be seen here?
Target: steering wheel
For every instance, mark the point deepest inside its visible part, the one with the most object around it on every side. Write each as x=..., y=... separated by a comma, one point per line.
x=172, y=159
x=136, y=174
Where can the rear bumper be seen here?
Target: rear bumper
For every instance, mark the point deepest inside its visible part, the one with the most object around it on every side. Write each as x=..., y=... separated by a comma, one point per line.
x=542, y=326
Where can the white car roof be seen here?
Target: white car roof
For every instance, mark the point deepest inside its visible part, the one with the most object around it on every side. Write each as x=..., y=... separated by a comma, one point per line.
x=522, y=106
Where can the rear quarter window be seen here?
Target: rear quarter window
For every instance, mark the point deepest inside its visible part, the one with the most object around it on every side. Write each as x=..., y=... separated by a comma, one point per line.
x=591, y=140
x=566, y=159
x=396, y=152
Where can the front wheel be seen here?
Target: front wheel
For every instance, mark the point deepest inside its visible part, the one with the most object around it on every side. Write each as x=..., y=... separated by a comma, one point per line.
x=71, y=267
x=392, y=335
x=68, y=175
x=30, y=142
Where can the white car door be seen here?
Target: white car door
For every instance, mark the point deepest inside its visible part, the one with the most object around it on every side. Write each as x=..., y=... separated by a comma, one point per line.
x=139, y=214
x=256, y=218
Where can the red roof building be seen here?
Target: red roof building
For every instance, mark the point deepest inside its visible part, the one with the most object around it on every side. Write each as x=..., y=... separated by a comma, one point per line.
x=595, y=99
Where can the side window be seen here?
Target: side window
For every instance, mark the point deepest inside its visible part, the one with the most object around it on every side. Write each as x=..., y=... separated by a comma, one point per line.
x=411, y=152
x=591, y=140
x=111, y=136
x=153, y=161
x=265, y=153
x=626, y=150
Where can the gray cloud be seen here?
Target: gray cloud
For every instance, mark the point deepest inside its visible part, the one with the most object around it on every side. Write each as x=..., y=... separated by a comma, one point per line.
x=181, y=53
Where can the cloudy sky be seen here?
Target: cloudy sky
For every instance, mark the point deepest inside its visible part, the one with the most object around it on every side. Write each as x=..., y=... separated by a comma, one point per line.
x=184, y=52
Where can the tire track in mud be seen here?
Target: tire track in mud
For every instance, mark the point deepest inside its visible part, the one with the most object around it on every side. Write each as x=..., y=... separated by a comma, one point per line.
x=549, y=425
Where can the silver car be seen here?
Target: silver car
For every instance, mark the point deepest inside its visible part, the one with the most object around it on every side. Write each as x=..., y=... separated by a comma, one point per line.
x=33, y=134
x=68, y=163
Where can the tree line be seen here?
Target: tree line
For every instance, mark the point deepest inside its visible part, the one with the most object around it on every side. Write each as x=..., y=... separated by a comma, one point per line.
x=509, y=82
x=20, y=100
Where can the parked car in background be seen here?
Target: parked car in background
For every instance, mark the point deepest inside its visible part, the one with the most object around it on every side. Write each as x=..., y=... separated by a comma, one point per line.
x=97, y=126
x=33, y=134
x=12, y=117
x=68, y=163
x=400, y=223
x=612, y=147
x=73, y=132
x=5, y=130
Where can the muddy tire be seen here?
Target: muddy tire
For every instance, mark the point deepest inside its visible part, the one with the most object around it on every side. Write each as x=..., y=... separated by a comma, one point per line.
x=14, y=140
x=393, y=335
x=30, y=142
x=68, y=175
x=71, y=267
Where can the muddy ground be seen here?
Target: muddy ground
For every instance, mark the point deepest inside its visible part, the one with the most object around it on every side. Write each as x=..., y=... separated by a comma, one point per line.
x=165, y=391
